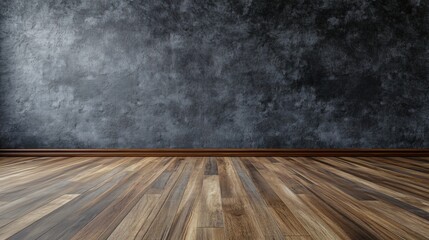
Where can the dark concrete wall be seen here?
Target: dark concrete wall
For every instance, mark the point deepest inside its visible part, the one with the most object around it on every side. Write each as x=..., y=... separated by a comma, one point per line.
x=231, y=73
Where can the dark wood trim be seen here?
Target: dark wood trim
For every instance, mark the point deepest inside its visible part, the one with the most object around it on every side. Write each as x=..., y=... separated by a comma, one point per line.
x=214, y=152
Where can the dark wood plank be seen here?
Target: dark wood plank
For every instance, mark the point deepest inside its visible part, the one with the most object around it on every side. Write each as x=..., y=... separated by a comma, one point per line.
x=211, y=167
x=214, y=152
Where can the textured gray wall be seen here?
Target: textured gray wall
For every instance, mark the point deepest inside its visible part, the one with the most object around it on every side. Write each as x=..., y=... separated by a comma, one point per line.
x=231, y=73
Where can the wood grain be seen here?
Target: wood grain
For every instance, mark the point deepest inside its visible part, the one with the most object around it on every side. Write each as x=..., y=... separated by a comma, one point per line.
x=20, y=223
x=214, y=198
x=210, y=212
x=130, y=225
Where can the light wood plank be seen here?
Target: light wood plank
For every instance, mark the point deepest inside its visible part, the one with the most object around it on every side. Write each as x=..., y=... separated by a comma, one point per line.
x=210, y=215
x=210, y=233
x=131, y=224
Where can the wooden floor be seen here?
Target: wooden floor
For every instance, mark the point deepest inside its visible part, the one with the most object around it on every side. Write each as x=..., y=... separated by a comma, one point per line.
x=214, y=198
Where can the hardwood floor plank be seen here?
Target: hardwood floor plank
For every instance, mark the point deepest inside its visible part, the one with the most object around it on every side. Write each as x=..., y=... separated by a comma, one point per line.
x=35, y=174
x=211, y=167
x=389, y=199
x=185, y=221
x=214, y=198
x=265, y=220
x=161, y=225
x=296, y=237
x=287, y=220
x=11, y=161
x=177, y=167
x=210, y=215
x=102, y=217
x=392, y=175
x=159, y=184
x=311, y=220
x=48, y=181
x=240, y=219
x=358, y=175
x=49, y=192
x=131, y=224
x=20, y=223
x=351, y=211
x=82, y=210
x=410, y=224
x=210, y=233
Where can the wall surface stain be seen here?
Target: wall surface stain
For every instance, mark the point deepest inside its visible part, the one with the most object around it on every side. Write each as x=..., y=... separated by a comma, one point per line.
x=214, y=74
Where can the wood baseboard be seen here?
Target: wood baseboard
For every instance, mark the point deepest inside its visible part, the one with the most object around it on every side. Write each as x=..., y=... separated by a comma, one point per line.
x=220, y=152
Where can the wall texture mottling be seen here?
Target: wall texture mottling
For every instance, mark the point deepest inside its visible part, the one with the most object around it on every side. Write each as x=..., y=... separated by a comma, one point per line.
x=228, y=73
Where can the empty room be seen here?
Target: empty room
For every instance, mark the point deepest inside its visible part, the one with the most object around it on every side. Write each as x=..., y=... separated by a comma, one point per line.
x=204, y=119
